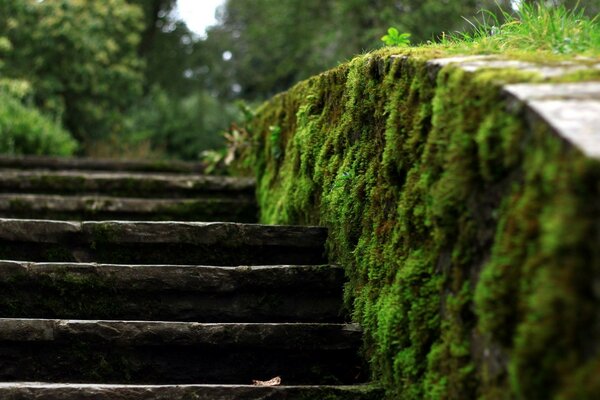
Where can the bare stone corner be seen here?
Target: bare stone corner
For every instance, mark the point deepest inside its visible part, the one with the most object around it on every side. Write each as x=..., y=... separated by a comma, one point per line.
x=572, y=110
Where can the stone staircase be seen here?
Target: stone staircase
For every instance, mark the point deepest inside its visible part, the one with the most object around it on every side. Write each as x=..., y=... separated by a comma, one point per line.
x=97, y=190
x=124, y=309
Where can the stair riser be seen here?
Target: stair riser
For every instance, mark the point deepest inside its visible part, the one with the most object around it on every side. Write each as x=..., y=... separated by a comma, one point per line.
x=138, y=186
x=96, y=209
x=171, y=293
x=160, y=253
x=75, y=302
x=103, y=351
x=97, y=392
x=87, y=361
x=226, y=215
x=93, y=164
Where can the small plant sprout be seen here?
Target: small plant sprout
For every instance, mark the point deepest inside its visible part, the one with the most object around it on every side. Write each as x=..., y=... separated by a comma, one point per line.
x=395, y=38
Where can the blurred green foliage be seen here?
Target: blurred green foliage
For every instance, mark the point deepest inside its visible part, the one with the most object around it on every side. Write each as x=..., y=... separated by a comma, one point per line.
x=80, y=57
x=128, y=71
x=274, y=44
x=182, y=127
x=24, y=130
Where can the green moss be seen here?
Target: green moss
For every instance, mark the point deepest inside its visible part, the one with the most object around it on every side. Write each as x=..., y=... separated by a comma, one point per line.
x=462, y=229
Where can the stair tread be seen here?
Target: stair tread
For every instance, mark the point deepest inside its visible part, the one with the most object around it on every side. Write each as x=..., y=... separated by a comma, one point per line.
x=278, y=293
x=131, y=204
x=160, y=242
x=322, y=336
x=50, y=231
x=197, y=278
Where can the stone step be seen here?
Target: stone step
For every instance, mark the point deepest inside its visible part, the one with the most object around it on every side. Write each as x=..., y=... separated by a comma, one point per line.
x=95, y=164
x=190, y=243
x=48, y=391
x=126, y=184
x=178, y=352
x=171, y=293
x=236, y=208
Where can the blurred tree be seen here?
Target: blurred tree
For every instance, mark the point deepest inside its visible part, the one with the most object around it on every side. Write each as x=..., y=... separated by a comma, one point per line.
x=80, y=57
x=180, y=127
x=270, y=44
x=166, y=47
x=156, y=16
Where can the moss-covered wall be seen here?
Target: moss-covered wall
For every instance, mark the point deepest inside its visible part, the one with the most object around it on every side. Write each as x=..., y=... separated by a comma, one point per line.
x=470, y=236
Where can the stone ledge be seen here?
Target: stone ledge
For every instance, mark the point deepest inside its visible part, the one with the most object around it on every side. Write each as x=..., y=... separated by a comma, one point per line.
x=48, y=391
x=572, y=110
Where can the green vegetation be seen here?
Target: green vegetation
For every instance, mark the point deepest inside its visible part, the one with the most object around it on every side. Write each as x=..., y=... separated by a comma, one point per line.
x=80, y=58
x=395, y=38
x=24, y=130
x=127, y=78
x=467, y=234
x=533, y=28
x=273, y=44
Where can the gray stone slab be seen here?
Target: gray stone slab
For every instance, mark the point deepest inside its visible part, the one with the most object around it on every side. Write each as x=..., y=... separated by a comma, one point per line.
x=188, y=278
x=571, y=109
x=554, y=91
x=128, y=242
x=28, y=230
x=48, y=391
x=477, y=62
x=205, y=233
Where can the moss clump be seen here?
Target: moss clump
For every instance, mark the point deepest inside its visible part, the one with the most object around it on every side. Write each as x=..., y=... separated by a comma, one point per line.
x=468, y=236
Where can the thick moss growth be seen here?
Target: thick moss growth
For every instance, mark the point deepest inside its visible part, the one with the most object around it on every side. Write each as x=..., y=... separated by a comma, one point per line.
x=470, y=237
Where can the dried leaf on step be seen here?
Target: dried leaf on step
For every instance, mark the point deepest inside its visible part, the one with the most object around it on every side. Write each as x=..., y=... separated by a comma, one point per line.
x=273, y=382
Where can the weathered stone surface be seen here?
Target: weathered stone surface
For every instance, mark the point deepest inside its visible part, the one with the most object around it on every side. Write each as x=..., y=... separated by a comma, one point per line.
x=203, y=233
x=94, y=164
x=160, y=242
x=179, y=277
x=123, y=184
x=26, y=230
x=571, y=109
x=177, y=352
x=236, y=208
x=45, y=391
x=476, y=62
x=171, y=293
x=125, y=322
x=555, y=91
